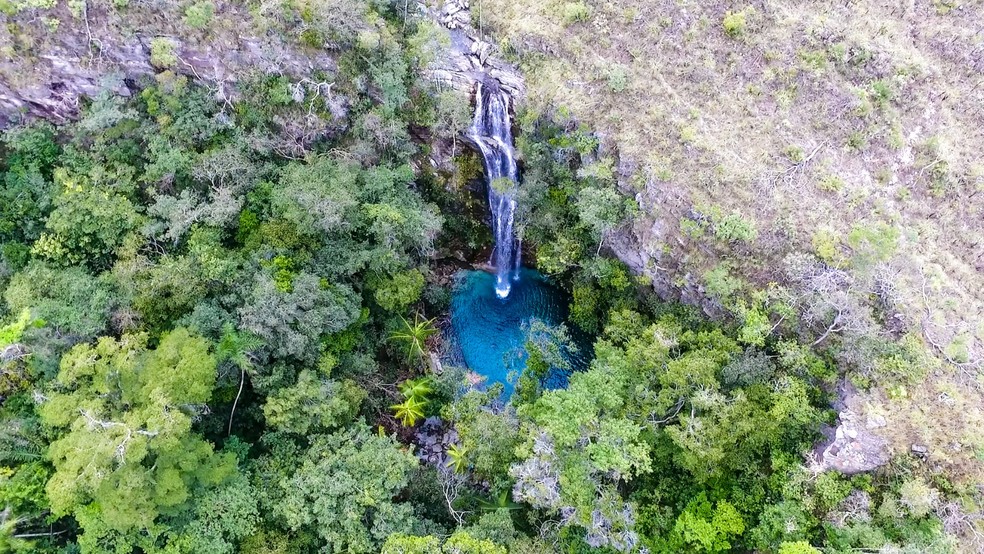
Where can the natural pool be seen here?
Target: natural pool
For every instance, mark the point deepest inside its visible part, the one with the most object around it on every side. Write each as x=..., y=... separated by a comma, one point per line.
x=488, y=330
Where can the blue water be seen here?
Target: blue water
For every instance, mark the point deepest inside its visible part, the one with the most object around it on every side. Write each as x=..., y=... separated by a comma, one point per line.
x=488, y=330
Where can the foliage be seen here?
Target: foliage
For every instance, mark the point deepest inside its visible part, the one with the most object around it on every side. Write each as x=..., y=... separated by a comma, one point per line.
x=292, y=323
x=201, y=261
x=344, y=490
x=86, y=226
x=162, y=52
x=734, y=24
x=574, y=12
x=414, y=335
x=734, y=228
x=416, y=394
x=457, y=458
x=313, y=404
x=199, y=14
x=12, y=332
x=400, y=291
x=459, y=542
x=71, y=300
x=127, y=457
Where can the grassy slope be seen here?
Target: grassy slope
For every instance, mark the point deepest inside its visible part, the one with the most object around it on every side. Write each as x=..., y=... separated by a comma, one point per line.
x=810, y=120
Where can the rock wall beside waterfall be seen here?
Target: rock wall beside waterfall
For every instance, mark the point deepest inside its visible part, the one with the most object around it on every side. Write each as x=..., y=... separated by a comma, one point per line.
x=470, y=58
x=50, y=60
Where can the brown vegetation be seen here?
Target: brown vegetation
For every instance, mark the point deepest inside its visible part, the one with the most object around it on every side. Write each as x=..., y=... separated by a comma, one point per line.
x=850, y=132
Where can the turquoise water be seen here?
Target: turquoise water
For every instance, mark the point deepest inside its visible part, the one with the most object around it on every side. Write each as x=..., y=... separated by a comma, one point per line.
x=488, y=330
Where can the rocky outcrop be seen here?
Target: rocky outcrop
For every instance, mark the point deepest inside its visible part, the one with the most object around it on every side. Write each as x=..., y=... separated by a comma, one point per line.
x=46, y=72
x=65, y=72
x=639, y=245
x=855, y=444
x=470, y=58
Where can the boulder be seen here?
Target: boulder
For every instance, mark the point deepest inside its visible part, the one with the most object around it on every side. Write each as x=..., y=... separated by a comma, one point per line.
x=854, y=448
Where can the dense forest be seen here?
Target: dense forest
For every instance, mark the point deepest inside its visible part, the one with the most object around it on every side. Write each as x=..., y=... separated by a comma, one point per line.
x=224, y=328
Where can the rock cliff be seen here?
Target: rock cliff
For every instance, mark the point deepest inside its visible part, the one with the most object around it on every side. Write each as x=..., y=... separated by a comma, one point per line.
x=469, y=58
x=47, y=68
x=50, y=60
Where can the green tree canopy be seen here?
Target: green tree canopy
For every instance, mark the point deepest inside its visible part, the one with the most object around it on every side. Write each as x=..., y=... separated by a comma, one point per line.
x=127, y=459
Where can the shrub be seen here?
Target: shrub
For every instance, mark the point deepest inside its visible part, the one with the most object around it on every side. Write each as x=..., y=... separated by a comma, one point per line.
x=872, y=243
x=795, y=154
x=162, y=52
x=617, y=79
x=312, y=37
x=815, y=60
x=831, y=183
x=734, y=24
x=826, y=244
x=918, y=497
x=721, y=284
x=575, y=12
x=733, y=227
x=199, y=14
x=857, y=141
x=798, y=547
x=882, y=92
x=13, y=7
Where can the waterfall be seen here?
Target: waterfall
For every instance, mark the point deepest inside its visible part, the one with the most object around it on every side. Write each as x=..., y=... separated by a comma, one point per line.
x=491, y=131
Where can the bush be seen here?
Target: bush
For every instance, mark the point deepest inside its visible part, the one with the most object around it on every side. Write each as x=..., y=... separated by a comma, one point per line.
x=162, y=52
x=826, y=244
x=199, y=14
x=733, y=227
x=882, y=92
x=734, y=24
x=918, y=497
x=721, y=284
x=872, y=244
x=831, y=183
x=575, y=12
x=857, y=141
x=617, y=79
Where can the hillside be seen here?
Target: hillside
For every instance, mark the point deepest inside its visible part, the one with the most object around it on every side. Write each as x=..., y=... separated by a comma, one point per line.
x=749, y=133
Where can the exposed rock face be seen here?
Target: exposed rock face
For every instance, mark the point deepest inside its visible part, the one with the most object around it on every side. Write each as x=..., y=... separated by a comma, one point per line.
x=470, y=59
x=455, y=14
x=854, y=445
x=638, y=246
x=84, y=58
x=47, y=74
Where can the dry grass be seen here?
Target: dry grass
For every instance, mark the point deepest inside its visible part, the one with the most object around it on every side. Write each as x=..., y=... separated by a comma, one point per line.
x=812, y=117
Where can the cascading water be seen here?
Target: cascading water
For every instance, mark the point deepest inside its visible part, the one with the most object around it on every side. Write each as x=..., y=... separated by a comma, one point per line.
x=491, y=131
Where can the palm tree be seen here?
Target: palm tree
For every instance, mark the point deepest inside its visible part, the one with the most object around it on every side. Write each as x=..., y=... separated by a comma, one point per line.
x=415, y=392
x=237, y=348
x=418, y=388
x=457, y=458
x=415, y=335
x=409, y=411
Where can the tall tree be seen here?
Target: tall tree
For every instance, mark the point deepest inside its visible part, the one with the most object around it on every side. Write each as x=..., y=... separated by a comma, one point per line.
x=127, y=459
